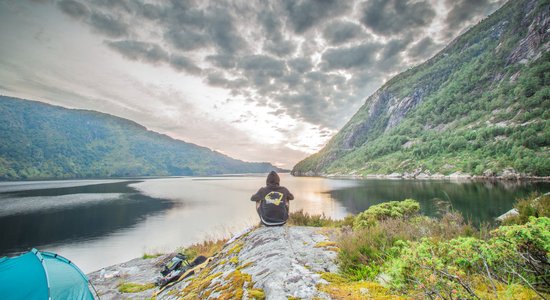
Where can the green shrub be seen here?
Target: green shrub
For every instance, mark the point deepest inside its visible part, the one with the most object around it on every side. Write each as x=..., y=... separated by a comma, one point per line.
x=532, y=206
x=447, y=258
x=364, y=250
x=386, y=210
x=465, y=266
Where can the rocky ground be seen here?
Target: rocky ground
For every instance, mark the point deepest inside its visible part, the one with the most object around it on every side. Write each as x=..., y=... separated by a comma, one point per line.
x=271, y=262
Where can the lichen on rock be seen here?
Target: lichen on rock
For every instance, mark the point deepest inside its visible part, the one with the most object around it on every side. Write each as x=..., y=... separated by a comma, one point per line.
x=265, y=263
x=269, y=262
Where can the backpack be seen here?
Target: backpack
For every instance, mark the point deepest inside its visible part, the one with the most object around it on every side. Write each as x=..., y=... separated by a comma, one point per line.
x=273, y=209
x=176, y=267
x=174, y=263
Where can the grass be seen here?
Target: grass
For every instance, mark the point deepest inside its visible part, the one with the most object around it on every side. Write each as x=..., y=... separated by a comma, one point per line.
x=339, y=287
x=151, y=255
x=206, y=248
x=131, y=287
x=301, y=218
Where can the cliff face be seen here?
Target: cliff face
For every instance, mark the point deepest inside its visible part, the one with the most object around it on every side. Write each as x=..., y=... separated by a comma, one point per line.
x=479, y=105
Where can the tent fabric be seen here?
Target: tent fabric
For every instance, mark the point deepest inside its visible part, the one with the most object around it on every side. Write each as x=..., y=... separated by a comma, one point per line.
x=23, y=277
x=42, y=275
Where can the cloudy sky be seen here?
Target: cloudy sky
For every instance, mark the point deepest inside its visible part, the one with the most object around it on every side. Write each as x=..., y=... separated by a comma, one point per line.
x=256, y=80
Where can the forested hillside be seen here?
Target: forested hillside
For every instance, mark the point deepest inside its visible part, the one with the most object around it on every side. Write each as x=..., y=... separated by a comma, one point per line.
x=479, y=106
x=41, y=141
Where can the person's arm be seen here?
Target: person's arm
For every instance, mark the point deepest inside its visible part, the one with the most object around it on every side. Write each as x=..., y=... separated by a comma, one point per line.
x=257, y=197
x=290, y=196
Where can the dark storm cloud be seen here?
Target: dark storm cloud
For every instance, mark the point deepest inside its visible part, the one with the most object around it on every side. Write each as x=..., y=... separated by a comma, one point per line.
x=307, y=13
x=154, y=54
x=222, y=61
x=367, y=78
x=120, y=5
x=216, y=79
x=339, y=32
x=280, y=48
x=424, y=48
x=223, y=32
x=389, y=64
x=301, y=64
x=394, y=47
x=109, y=25
x=292, y=80
x=262, y=65
x=181, y=63
x=313, y=108
x=396, y=16
x=140, y=51
x=316, y=60
x=271, y=23
x=305, y=106
x=187, y=40
x=274, y=43
x=463, y=11
x=324, y=79
x=151, y=11
x=73, y=8
x=316, y=97
x=192, y=28
x=349, y=58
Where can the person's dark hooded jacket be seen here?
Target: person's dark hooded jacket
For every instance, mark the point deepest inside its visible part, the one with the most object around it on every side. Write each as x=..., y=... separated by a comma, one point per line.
x=273, y=201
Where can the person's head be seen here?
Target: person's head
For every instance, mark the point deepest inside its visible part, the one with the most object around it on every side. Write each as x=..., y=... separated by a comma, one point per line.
x=272, y=179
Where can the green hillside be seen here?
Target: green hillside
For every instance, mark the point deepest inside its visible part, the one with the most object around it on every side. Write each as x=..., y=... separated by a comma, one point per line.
x=41, y=141
x=481, y=105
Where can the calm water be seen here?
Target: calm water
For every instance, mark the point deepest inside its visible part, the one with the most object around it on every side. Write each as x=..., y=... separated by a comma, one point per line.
x=96, y=223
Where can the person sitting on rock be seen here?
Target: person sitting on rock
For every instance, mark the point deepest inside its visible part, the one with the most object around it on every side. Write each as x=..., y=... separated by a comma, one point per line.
x=272, y=201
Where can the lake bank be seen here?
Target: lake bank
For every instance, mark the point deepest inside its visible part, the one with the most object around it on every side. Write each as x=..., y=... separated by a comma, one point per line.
x=426, y=175
x=102, y=223
x=388, y=251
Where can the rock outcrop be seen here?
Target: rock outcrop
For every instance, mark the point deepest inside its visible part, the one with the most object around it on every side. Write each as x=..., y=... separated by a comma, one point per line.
x=270, y=262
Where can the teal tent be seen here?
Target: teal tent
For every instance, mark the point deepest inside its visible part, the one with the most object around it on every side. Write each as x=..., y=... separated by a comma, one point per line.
x=42, y=275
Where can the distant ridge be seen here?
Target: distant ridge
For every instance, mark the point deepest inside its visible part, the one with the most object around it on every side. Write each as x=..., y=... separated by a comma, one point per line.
x=480, y=106
x=42, y=141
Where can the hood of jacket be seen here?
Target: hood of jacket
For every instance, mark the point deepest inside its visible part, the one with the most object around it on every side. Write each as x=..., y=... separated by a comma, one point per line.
x=273, y=179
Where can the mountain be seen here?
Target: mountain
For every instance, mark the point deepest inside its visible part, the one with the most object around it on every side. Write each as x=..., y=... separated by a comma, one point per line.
x=41, y=141
x=480, y=106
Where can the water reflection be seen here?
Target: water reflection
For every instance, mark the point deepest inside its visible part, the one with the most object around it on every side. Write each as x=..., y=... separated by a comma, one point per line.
x=53, y=216
x=477, y=201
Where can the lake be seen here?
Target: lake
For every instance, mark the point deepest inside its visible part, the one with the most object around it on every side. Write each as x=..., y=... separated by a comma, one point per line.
x=97, y=223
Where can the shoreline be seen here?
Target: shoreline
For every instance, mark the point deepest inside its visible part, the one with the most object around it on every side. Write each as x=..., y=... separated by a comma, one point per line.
x=426, y=175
